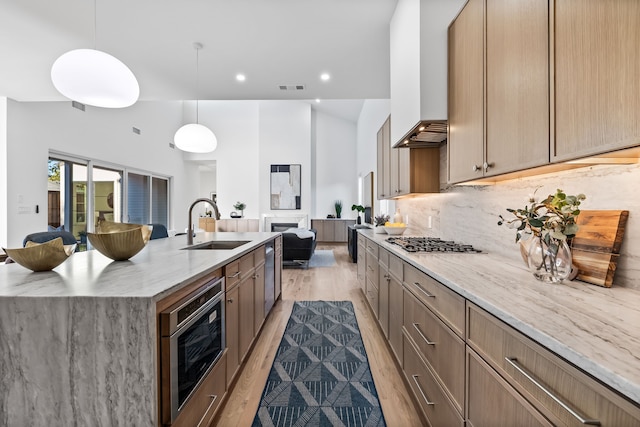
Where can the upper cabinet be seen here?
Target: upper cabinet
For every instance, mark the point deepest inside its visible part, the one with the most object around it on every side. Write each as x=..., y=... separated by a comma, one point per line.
x=539, y=82
x=404, y=171
x=498, y=88
x=597, y=77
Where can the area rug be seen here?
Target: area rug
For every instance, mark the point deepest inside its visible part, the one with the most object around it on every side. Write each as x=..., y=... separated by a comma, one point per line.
x=320, y=375
x=322, y=258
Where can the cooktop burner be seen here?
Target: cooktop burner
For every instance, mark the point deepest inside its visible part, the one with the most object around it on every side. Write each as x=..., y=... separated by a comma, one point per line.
x=430, y=244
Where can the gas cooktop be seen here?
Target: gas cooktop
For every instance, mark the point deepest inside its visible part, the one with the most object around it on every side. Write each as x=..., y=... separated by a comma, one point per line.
x=430, y=244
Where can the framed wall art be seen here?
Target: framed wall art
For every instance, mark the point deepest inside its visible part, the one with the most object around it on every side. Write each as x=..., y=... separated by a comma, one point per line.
x=285, y=187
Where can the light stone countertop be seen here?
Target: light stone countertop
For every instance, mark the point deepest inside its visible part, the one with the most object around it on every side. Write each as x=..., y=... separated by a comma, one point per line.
x=595, y=328
x=159, y=269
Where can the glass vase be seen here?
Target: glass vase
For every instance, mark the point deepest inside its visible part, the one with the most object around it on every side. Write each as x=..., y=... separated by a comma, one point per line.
x=549, y=262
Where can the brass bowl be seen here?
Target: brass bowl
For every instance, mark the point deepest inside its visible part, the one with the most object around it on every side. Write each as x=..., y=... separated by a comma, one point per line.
x=41, y=256
x=119, y=241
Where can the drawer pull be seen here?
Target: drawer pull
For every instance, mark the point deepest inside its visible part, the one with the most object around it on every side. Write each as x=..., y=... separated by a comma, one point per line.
x=424, y=396
x=415, y=326
x=235, y=275
x=427, y=293
x=580, y=417
x=213, y=400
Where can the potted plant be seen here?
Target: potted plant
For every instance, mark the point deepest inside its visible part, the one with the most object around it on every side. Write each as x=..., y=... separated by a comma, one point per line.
x=240, y=206
x=358, y=208
x=379, y=222
x=551, y=224
x=338, y=206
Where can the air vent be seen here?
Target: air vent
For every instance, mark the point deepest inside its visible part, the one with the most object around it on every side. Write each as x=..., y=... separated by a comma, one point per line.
x=80, y=106
x=291, y=87
x=172, y=145
x=135, y=130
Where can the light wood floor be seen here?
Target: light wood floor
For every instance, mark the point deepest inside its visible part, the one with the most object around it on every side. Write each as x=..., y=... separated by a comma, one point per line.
x=336, y=283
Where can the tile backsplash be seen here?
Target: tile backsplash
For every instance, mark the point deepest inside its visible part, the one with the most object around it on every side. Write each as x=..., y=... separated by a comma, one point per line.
x=469, y=214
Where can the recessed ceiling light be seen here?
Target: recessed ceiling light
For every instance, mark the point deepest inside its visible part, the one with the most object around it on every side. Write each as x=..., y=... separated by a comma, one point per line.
x=318, y=100
x=241, y=77
x=325, y=76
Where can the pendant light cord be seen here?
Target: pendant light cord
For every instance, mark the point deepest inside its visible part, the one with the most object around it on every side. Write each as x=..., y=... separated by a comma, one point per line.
x=198, y=46
x=95, y=24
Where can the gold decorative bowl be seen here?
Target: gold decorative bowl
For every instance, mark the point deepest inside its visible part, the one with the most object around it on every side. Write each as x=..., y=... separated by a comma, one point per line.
x=119, y=241
x=41, y=256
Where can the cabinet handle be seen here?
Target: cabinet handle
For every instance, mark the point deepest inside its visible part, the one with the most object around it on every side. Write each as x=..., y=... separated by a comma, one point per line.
x=230, y=300
x=235, y=275
x=427, y=293
x=424, y=396
x=415, y=326
x=214, y=398
x=513, y=361
x=487, y=166
x=476, y=168
x=255, y=276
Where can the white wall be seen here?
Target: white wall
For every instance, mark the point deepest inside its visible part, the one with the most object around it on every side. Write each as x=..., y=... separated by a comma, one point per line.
x=4, y=172
x=336, y=163
x=374, y=113
x=33, y=129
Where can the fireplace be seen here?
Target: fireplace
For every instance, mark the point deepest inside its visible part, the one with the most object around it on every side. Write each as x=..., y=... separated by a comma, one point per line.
x=296, y=221
x=282, y=226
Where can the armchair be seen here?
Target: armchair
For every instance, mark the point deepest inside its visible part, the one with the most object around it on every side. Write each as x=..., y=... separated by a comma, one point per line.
x=298, y=246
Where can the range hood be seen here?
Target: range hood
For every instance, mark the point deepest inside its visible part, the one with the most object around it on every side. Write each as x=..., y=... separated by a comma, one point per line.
x=427, y=133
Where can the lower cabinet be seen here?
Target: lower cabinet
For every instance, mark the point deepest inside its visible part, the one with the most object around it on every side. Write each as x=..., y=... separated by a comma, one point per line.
x=247, y=315
x=332, y=230
x=383, y=290
x=396, y=309
x=429, y=395
x=232, y=320
x=278, y=267
x=362, y=262
x=258, y=299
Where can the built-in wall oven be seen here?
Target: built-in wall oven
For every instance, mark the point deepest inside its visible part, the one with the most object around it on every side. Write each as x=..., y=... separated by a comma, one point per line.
x=192, y=340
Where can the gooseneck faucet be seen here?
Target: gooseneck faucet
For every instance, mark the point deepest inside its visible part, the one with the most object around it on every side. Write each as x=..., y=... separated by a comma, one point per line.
x=190, y=230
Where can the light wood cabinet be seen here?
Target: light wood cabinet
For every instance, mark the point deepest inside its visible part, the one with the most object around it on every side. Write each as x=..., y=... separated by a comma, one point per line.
x=246, y=318
x=278, y=267
x=403, y=171
x=332, y=230
x=493, y=402
x=383, y=290
x=232, y=321
x=259, y=298
x=505, y=127
x=240, y=225
x=384, y=160
x=396, y=306
x=596, y=77
x=371, y=289
x=362, y=262
x=562, y=393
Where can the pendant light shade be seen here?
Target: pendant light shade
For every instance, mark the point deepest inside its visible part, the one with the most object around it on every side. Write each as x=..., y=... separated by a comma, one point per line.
x=95, y=78
x=195, y=138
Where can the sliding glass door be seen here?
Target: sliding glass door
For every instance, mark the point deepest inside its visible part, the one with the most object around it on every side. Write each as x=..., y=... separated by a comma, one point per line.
x=147, y=199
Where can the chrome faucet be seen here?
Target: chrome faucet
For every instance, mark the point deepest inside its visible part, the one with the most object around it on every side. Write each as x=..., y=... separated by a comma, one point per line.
x=190, y=230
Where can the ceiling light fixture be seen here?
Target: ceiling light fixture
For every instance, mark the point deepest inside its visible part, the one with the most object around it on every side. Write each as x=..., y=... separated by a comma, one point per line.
x=194, y=137
x=325, y=76
x=93, y=77
x=241, y=77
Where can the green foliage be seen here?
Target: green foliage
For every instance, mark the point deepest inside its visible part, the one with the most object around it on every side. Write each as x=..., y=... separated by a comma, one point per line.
x=338, y=205
x=358, y=208
x=553, y=218
x=240, y=206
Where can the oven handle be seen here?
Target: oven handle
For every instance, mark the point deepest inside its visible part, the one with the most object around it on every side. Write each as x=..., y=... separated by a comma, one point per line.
x=196, y=314
x=170, y=315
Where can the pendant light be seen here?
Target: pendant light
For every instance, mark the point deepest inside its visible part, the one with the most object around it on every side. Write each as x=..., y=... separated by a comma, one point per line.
x=194, y=137
x=94, y=77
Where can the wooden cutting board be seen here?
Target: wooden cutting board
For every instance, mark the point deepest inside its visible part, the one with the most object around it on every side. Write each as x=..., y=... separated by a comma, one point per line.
x=596, y=247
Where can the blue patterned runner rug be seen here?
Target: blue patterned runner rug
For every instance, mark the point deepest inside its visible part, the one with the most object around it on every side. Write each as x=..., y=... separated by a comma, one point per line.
x=320, y=376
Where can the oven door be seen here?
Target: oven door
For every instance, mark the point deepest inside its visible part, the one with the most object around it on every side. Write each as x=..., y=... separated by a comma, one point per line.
x=193, y=351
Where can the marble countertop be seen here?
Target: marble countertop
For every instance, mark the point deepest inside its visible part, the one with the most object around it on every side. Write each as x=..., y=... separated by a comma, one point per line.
x=595, y=328
x=159, y=269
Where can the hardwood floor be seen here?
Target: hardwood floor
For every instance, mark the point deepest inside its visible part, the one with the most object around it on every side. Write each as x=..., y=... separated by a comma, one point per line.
x=335, y=283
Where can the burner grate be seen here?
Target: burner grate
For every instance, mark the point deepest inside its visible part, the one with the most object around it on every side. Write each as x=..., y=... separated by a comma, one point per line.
x=430, y=244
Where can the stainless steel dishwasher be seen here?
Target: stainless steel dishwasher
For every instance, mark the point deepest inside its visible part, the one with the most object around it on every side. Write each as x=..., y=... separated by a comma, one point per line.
x=269, y=277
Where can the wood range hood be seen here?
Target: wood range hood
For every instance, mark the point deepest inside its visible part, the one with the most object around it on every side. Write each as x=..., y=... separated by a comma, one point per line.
x=426, y=133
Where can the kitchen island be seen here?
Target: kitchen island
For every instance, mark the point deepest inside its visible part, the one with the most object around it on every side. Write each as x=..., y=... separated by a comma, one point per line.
x=78, y=344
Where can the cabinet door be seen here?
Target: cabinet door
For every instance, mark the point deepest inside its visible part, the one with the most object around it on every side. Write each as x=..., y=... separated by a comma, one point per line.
x=381, y=155
x=259, y=298
x=465, y=95
x=278, y=267
x=395, y=316
x=232, y=311
x=383, y=299
x=340, y=231
x=493, y=402
x=517, y=82
x=245, y=320
x=362, y=262
x=596, y=77
x=328, y=227
x=384, y=160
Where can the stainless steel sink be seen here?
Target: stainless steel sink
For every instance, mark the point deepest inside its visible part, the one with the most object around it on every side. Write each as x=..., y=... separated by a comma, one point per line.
x=219, y=244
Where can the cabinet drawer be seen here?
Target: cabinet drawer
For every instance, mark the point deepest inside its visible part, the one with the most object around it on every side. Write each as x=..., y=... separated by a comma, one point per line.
x=438, y=345
x=246, y=265
x=531, y=369
x=372, y=248
x=432, y=400
x=231, y=274
x=202, y=405
x=383, y=258
x=448, y=305
x=493, y=402
x=372, y=268
x=395, y=267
